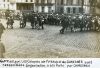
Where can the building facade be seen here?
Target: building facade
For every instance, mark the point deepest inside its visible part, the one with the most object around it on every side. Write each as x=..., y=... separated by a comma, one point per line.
x=72, y=6
x=8, y=4
x=24, y=5
x=47, y=6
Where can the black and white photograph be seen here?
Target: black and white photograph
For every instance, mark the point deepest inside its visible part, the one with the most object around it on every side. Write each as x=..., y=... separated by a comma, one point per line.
x=49, y=28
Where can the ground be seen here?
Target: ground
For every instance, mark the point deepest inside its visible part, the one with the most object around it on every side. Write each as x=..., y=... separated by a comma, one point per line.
x=49, y=43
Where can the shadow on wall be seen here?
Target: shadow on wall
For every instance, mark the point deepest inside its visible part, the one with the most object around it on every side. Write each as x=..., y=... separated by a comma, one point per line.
x=2, y=50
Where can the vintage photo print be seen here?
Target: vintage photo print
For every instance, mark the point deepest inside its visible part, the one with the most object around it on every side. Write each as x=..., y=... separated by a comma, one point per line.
x=49, y=28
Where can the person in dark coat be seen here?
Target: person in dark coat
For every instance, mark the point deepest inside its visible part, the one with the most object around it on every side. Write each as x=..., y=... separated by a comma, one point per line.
x=42, y=22
x=77, y=23
x=2, y=28
x=2, y=50
x=95, y=24
x=12, y=22
x=64, y=24
x=31, y=18
x=72, y=22
x=24, y=20
x=81, y=24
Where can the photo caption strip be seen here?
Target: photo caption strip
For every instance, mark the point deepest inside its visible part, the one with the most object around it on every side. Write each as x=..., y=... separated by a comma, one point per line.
x=51, y=63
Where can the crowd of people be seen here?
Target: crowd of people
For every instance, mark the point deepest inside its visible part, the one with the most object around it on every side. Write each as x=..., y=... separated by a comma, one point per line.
x=77, y=22
x=80, y=23
x=35, y=19
x=72, y=22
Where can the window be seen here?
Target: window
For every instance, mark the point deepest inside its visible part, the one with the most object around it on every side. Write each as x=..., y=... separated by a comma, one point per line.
x=49, y=9
x=68, y=10
x=74, y=10
x=42, y=9
x=80, y=10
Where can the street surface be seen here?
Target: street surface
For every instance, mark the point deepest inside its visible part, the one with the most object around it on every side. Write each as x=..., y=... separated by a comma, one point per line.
x=49, y=43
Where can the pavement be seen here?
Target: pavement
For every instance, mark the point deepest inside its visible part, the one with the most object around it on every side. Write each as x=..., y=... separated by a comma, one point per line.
x=49, y=43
